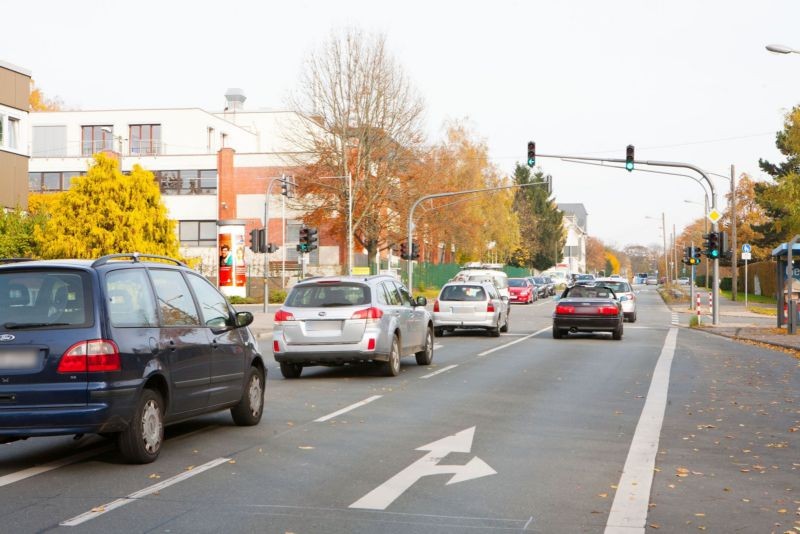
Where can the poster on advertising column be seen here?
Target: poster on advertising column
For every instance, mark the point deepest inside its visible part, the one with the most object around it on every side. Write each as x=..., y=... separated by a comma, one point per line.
x=232, y=267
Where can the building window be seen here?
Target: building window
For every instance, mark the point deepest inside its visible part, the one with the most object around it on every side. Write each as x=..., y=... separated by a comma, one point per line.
x=223, y=138
x=145, y=139
x=96, y=139
x=197, y=233
x=51, y=182
x=187, y=182
x=2, y=125
x=210, y=143
x=49, y=141
x=13, y=133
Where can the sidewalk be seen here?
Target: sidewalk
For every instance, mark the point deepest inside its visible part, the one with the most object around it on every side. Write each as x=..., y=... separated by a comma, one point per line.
x=738, y=323
x=262, y=322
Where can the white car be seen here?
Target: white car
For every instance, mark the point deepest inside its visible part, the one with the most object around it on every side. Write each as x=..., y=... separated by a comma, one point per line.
x=683, y=281
x=470, y=305
x=625, y=295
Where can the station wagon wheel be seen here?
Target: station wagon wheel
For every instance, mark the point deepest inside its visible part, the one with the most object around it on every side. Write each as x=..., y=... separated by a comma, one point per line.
x=141, y=442
x=392, y=367
x=291, y=370
x=425, y=356
x=248, y=411
x=438, y=331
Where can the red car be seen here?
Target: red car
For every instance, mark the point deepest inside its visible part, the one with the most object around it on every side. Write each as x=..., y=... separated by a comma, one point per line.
x=521, y=290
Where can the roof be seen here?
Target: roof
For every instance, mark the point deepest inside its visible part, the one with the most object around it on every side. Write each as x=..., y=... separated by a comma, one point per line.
x=11, y=66
x=783, y=250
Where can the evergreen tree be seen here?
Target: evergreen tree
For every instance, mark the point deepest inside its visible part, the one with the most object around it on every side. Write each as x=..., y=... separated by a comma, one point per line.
x=108, y=212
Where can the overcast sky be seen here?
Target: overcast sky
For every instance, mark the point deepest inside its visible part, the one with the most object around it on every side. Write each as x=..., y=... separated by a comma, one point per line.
x=682, y=80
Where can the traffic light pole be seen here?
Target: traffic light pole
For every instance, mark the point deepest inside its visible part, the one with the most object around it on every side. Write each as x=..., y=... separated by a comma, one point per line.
x=282, y=179
x=416, y=203
x=672, y=164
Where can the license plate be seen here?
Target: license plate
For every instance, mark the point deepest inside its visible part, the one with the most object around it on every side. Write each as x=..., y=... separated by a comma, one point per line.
x=19, y=359
x=323, y=326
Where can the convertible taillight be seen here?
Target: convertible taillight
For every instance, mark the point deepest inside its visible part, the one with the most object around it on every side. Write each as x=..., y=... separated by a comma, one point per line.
x=565, y=310
x=608, y=310
x=283, y=315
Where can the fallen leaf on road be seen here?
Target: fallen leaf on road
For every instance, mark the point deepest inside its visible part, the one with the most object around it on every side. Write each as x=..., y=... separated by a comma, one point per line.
x=154, y=475
x=699, y=514
x=232, y=462
x=99, y=509
x=655, y=526
x=603, y=495
x=305, y=447
x=189, y=468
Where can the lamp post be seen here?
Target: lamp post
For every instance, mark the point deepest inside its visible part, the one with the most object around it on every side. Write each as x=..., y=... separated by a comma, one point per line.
x=664, y=236
x=781, y=49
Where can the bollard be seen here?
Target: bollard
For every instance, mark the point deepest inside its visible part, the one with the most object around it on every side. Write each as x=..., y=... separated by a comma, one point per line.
x=711, y=304
x=791, y=325
x=697, y=306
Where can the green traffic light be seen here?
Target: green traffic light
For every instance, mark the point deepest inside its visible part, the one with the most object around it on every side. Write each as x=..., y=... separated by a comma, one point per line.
x=531, y=162
x=629, y=166
x=715, y=253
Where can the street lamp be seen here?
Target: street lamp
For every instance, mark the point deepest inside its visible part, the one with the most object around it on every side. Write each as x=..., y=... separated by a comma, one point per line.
x=782, y=49
x=664, y=235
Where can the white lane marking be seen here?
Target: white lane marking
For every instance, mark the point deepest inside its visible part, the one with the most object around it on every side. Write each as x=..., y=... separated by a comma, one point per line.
x=113, y=505
x=44, y=468
x=629, y=510
x=442, y=370
x=674, y=318
x=512, y=335
x=347, y=409
x=385, y=494
x=484, y=353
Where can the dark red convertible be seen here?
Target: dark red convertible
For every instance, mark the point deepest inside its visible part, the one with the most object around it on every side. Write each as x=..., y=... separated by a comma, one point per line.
x=588, y=308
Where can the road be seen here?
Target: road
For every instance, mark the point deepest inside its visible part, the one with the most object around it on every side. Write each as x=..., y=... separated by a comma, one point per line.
x=520, y=433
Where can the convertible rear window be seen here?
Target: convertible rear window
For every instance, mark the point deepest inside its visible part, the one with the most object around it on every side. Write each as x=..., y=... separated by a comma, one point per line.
x=474, y=293
x=328, y=295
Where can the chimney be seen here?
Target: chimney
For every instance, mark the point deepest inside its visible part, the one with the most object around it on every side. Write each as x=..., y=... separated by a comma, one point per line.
x=234, y=98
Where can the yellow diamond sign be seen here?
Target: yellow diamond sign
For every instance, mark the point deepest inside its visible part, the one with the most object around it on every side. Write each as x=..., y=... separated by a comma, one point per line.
x=714, y=216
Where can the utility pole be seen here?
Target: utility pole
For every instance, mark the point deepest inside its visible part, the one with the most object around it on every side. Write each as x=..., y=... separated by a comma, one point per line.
x=734, y=263
x=666, y=257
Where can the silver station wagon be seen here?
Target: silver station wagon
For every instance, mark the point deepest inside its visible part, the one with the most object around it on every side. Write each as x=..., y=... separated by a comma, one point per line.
x=470, y=305
x=347, y=319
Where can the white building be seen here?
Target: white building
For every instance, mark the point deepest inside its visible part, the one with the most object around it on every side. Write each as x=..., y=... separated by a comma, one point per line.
x=15, y=88
x=575, y=221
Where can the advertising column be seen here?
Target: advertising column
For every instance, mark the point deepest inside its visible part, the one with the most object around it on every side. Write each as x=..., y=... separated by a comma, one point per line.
x=232, y=269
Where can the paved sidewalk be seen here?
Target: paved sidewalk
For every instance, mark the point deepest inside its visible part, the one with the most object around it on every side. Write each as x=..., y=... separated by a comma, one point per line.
x=736, y=322
x=262, y=322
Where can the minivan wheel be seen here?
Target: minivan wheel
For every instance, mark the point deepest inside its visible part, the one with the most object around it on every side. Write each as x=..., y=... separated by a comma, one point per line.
x=425, y=356
x=248, y=411
x=141, y=442
x=291, y=370
x=494, y=332
x=392, y=367
x=504, y=328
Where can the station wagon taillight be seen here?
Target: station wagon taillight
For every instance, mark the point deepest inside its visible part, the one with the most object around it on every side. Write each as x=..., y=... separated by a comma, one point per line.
x=565, y=310
x=490, y=307
x=283, y=315
x=436, y=305
x=95, y=356
x=368, y=313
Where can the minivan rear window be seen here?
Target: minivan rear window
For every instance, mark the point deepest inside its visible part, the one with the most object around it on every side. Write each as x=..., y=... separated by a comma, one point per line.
x=328, y=295
x=53, y=298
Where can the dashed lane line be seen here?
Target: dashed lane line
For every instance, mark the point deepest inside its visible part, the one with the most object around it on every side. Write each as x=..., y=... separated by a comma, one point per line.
x=347, y=409
x=442, y=370
x=487, y=352
x=50, y=466
x=133, y=497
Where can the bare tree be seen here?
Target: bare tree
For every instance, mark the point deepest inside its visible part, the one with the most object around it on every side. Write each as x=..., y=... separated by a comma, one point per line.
x=363, y=119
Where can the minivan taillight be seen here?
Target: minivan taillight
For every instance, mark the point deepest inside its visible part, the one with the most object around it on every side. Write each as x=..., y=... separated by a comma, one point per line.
x=95, y=356
x=283, y=315
x=490, y=308
x=368, y=313
x=436, y=305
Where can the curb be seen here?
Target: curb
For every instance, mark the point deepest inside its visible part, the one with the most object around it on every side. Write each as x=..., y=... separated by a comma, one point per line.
x=736, y=337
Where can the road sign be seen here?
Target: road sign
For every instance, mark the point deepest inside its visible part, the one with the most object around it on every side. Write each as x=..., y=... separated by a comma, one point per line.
x=746, y=256
x=746, y=248
x=385, y=494
x=714, y=216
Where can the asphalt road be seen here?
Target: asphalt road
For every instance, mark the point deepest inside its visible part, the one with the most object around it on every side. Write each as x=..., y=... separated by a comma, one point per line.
x=520, y=433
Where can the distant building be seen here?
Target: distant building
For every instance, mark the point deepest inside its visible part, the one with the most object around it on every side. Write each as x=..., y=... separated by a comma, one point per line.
x=210, y=166
x=15, y=88
x=575, y=222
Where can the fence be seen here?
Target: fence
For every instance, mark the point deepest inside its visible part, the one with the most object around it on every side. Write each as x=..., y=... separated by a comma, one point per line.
x=436, y=275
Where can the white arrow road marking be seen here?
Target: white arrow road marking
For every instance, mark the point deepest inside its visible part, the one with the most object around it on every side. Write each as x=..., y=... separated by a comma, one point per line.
x=347, y=409
x=385, y=494
x=113, y=505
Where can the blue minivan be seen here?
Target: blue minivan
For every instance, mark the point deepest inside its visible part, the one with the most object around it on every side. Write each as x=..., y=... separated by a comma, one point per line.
x=120, y=346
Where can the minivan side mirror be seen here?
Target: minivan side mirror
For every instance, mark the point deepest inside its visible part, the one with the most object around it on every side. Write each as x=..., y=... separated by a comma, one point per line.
x=243, y=318
x=421, y=301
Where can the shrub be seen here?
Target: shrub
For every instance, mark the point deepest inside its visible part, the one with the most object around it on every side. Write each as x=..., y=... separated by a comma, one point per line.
x=277, y=296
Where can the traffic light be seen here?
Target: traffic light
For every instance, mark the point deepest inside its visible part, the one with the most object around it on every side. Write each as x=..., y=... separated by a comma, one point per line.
x=531, y=153
x=723, y=244
x=303, y=241
x=311, y=239
x=697, y=256
x=272, y=248
x=687, y=256
x=253, y=244
x=414, y=251
x=712, y=245
x=403, y=250
x=285, y=188
x=262, y=240
x=629, y=158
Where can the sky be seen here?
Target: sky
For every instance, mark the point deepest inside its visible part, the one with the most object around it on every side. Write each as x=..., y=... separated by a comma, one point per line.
x=681, y=80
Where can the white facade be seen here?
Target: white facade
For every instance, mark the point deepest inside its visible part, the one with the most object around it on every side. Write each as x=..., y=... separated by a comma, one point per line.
x=575, y=224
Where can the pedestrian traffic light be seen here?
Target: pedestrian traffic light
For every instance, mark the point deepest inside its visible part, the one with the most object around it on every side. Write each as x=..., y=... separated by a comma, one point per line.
x=629, y=158
x=414, y=251
x=531, y=153
x=311, y=239
x=712, y=245
x=403, y=250
x=253, y=244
